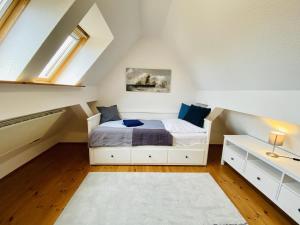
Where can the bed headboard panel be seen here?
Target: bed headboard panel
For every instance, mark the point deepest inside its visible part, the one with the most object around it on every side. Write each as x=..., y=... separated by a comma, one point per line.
x=148, y=115
x=93, y=122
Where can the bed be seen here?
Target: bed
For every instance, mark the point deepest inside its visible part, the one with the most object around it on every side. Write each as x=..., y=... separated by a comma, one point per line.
x=190, y=144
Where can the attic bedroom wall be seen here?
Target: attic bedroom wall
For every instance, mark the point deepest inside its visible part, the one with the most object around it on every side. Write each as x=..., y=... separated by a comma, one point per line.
x=259, y=127
x=20, y=100
x=243, y=56
x=21, y=45
x=147, y=53
x=32, y=28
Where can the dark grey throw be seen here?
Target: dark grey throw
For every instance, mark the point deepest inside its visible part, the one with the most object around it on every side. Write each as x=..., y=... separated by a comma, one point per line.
x=110, y=137
x=151, y=137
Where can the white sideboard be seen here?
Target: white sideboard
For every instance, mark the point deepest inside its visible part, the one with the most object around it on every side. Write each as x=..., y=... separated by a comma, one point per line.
x=277, y=178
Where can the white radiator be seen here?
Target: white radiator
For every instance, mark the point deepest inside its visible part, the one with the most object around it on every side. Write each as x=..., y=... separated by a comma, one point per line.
x=18, y=132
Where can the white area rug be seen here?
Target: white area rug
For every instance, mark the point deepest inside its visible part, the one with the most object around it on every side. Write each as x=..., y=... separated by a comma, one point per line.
x=149, y=199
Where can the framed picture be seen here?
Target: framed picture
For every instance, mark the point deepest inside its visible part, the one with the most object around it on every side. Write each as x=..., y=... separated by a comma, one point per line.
x=148, y=80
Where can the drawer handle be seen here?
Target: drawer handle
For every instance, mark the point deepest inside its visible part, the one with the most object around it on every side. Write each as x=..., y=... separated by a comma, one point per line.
x=111, y=156
x=186, y=157
x=258, y=178
x=232, y=158
x=149, y=156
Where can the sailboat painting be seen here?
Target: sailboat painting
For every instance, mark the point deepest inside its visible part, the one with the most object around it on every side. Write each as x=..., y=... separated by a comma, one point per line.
x=148, y=80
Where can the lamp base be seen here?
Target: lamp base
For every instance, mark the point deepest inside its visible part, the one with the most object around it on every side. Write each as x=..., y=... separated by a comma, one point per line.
x=272, y=154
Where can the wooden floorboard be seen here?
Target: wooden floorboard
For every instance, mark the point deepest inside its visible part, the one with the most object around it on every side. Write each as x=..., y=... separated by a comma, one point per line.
x=36, y=193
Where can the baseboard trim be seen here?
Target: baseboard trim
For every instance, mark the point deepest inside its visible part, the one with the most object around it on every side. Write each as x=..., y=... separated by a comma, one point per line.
x=26, y=154
x=74, y=137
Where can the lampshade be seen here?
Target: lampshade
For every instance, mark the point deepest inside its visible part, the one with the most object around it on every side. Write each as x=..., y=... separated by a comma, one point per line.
x=276, y=138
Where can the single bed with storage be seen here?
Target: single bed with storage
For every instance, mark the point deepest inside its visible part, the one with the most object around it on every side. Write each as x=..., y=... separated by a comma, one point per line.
x=190, y=145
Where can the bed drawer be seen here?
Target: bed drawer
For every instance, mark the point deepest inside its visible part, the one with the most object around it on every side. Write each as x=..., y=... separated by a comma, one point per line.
x=111, y=156
x=178, y=157
x=149, y=156
x=290, y=203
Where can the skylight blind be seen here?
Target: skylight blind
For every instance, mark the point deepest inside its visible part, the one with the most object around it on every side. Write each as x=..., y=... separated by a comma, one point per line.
x=4, y=5
x=63, y=52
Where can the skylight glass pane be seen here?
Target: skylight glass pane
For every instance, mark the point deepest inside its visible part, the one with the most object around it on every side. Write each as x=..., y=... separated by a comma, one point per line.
x=4, y=4
x=60, y=56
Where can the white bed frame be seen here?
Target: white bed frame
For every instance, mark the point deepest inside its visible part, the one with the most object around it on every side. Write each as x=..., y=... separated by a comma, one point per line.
x=149, y=155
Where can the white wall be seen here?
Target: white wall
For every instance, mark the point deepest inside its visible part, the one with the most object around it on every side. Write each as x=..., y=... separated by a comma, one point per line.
x=123, y=19
x=54, y=40
x=259, y=127
x=237, y=44
x=256, y=113
x=281, y=105
x=20, y=100
x=147, y=53
x=27, y=35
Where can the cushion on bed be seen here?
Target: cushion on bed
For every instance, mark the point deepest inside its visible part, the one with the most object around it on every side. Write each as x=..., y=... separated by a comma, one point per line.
x=132, y=123
x=196, y=115
x=109, y=113
x=183, y=110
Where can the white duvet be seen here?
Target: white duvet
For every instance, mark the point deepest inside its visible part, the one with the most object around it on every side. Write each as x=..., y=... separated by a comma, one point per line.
x=184, y=133
x=181, y=126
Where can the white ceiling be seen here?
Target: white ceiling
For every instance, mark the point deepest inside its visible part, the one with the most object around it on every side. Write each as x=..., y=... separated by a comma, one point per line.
x=153, y=16
x=225, y=45
x=238, y=44
x=123, y=19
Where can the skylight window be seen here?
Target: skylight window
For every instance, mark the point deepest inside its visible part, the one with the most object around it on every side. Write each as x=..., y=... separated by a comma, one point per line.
x=64, y=54
x=10, y=10
x=4, y=5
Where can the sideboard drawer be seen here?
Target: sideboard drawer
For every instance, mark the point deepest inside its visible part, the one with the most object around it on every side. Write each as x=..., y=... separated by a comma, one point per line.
x=290, y=203
x=234, y=159
x=261, y=180
x=149, y=156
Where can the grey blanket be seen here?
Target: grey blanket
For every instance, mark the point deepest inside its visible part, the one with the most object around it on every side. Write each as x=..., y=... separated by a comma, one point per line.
x=151, y=137
x=151, y=133
x=151, y=124
x=110, y=137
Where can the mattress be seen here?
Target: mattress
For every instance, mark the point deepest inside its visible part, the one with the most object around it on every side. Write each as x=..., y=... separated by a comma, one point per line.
x=189, y=139
x=184, y=133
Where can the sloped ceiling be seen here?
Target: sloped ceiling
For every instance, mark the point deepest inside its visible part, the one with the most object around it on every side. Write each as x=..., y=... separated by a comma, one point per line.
x=123, y=19
x=153, y=17
x=225, y=45
x=129, y=21
x=237, y=44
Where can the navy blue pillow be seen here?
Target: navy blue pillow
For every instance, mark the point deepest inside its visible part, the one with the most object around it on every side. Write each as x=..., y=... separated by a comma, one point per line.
x=132, y=123
x=183, y=110
x=196, y=115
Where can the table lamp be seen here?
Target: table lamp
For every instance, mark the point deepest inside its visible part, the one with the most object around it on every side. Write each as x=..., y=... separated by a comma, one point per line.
x=276, y=138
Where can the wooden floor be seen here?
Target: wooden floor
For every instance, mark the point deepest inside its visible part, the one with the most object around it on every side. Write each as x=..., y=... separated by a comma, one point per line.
x=36, y=193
